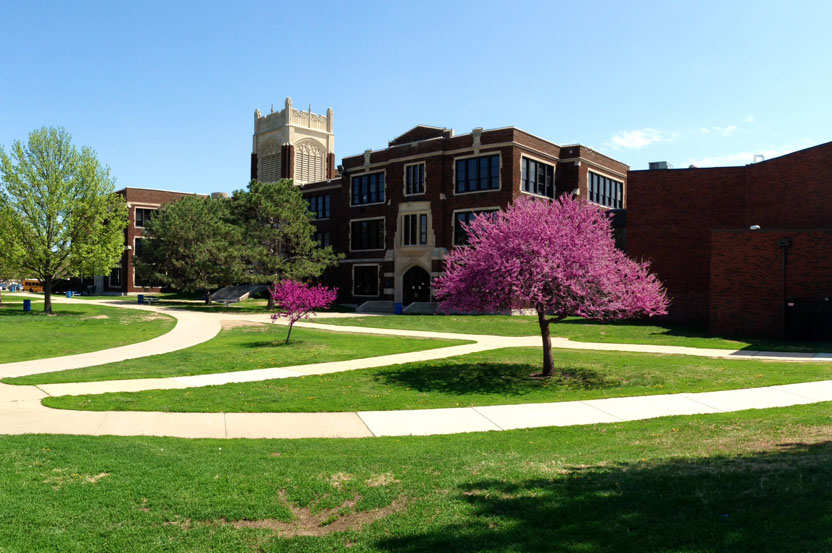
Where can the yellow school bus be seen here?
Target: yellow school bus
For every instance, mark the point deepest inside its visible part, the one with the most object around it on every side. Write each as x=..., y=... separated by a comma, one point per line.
x=32, y=285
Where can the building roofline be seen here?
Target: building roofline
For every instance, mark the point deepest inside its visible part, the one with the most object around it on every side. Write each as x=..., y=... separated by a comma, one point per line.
x=126, y=188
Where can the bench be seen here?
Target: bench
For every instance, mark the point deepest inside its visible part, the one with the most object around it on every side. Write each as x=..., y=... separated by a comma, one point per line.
x=150, y=300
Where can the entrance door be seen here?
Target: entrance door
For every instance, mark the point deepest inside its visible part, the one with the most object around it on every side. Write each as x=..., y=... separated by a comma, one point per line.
x=416, y=285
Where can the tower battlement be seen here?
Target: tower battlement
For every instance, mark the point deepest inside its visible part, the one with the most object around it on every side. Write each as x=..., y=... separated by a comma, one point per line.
x=294, y=144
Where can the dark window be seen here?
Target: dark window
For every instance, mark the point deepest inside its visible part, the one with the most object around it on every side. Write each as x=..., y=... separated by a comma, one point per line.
x=137, y=250
x=368, y=189
x=319, y=206
x=115, y=278
x=415, y=229
x=322, y=238
x=367, y=234
x=475, y=174
x=537, y=178
x=143, y=216
x=460, y=217
x=365, y=280
x=414, y=179
x=606, y=191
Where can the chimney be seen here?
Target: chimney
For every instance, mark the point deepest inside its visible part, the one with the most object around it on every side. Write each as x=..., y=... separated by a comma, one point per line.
x=655, y=165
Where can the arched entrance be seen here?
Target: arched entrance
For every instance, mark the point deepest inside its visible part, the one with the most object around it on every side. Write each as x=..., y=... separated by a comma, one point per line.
x=416, y=285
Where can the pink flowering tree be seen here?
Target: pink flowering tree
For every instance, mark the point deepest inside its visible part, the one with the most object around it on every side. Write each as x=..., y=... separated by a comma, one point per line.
x=296, y=300
x=557, y=258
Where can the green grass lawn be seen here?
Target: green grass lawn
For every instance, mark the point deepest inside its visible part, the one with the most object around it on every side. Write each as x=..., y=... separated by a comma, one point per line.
x=755, y=481
x=74, y=328
x=244, y=348
x=486, y=378
x=581, y=330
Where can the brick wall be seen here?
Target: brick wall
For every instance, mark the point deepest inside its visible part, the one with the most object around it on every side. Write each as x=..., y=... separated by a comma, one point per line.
x=746, y=293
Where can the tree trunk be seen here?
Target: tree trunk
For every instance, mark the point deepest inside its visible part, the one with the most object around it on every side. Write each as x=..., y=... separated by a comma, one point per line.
x=548, y=363
x=289, y=333
x=47, y=296
x=207, y=297
x=270, y=305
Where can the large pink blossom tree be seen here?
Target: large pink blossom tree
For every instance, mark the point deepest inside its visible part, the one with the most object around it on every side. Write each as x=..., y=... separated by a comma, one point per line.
x=296, y=300
x=555, y=257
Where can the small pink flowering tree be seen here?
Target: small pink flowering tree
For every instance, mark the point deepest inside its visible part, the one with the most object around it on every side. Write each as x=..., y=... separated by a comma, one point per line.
x=297, y=300
x=558, y=258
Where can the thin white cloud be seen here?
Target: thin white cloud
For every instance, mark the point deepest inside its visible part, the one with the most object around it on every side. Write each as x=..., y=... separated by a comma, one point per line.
x=743, y=158
x=638, y=138
x=748, y=119
x=723, y=131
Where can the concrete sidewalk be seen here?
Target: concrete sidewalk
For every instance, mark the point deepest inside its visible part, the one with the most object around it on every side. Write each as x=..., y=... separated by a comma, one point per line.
x=21, y=410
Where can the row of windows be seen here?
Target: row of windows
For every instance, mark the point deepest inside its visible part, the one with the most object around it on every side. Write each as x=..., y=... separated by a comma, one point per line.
x=537, y=178
x=414, y=179
x=319, y=206
x=368, y=189
x=606, y=191
x=415, y=231
x=477, y=173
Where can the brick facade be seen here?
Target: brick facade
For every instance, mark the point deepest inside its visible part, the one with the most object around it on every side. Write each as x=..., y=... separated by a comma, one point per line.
x=437, y=148
x=685, y=222
x=136, y=198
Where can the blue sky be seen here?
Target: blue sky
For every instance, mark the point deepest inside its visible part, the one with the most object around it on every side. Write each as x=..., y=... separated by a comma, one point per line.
x=165, y=91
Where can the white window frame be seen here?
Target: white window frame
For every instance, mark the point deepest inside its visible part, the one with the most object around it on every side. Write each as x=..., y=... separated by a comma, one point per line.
x=154, y=207
x=386, y=192
x=469, y=156
x=608, y=176
x=453, y=220
x=404, y=179
x=384, y=233
x=378, y=280
x=554, y=167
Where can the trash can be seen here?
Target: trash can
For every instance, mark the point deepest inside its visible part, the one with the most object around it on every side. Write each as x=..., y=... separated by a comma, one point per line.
x=69, y=293
x=27, y=306
x=397, y=308
x=141, y=298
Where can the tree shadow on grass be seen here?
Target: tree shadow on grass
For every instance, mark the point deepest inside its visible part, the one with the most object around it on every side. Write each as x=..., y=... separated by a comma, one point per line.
x=483, y=378
x=776, y=501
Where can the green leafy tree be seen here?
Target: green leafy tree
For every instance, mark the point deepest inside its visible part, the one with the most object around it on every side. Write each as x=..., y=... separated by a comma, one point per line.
x=191, y=245
x=277, y=231
x=60, y=216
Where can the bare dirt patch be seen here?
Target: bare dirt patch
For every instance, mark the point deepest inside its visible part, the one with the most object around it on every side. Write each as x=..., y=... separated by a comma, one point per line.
x=339, y=478
x=97, y=317
x=382, y=480
x=228, y=324
x=306, y=523
x=62, y=476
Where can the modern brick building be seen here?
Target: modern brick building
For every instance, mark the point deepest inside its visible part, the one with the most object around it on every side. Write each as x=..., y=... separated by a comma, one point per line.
x=141, y=203
x=395, y=212
x=745, y=250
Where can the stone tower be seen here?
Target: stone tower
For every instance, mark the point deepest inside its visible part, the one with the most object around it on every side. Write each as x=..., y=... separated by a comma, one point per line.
x=293, y=144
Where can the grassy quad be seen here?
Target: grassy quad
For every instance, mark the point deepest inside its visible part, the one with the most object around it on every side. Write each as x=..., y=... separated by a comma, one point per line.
x=240, y=348
x=741, y=482
x=574, y=328
x=74, y=328
x=486, y=378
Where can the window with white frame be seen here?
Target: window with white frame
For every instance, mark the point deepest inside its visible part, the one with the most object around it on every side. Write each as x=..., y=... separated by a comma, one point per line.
x=367, y=189
x=606, y=191
x=365, y=280
x=143, y=215
x=414, y=179
x=415, y=229
x=465, y=217
x=367, y=234
x=477, y=174
x=537, y=177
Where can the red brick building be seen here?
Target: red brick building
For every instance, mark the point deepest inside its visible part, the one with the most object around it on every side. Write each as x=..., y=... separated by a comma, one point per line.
x=718, y=237
x=395, y=212
x=141, y=203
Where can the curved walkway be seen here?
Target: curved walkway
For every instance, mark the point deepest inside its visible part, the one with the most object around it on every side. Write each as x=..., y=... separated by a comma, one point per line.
x=21, y=410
